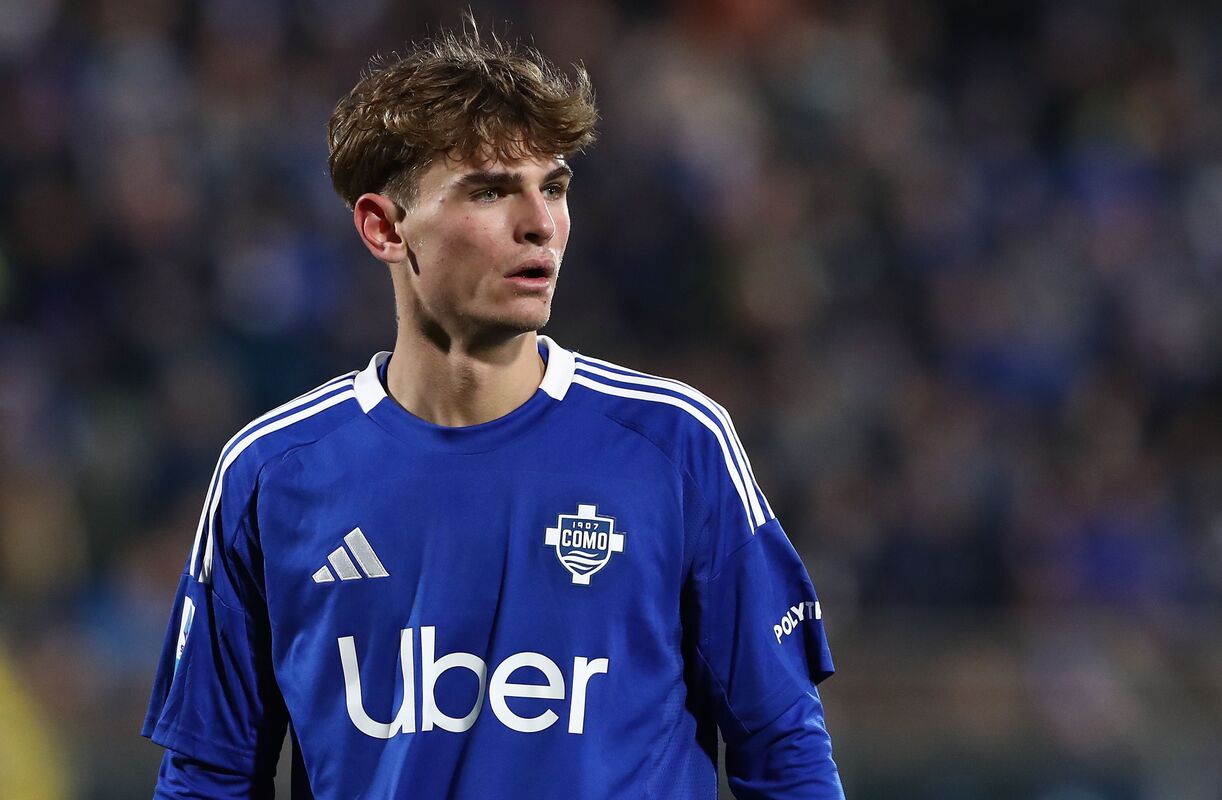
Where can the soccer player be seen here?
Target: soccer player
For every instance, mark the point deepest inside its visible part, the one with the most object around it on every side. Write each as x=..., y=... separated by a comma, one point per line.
x=486, y=566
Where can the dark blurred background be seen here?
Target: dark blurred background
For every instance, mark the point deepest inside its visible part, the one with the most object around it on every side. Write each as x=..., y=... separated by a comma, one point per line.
x=955, y=268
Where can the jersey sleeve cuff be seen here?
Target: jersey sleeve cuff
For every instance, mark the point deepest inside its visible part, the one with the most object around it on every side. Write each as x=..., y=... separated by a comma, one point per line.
x=235, y=759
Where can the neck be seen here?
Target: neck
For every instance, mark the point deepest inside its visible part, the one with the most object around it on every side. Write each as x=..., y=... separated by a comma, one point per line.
x=459, y=384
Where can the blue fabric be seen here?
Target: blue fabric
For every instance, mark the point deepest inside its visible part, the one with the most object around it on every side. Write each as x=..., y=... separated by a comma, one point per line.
x=587, y=586
x=775, y=760
x=182, y=778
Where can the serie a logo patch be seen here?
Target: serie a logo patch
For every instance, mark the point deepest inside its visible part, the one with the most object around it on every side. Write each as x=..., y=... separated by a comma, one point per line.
x=584, y=542
x=184, y=630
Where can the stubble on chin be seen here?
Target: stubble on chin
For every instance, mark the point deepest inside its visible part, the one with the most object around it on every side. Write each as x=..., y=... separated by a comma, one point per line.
x=524, y=323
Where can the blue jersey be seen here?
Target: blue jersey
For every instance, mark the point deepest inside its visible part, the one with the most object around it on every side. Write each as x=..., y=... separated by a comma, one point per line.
x=565, y=602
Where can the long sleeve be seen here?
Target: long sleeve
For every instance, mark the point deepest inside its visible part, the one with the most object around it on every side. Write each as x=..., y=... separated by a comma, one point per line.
x=791, y=757
x=183, y=778
x=764, y=649
x=215, y=703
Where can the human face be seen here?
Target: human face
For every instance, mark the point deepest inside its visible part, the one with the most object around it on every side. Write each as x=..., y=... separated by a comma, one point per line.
x=485, y=241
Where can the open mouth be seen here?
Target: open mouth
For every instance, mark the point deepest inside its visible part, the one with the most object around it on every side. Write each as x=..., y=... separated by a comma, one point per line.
x=536, y=273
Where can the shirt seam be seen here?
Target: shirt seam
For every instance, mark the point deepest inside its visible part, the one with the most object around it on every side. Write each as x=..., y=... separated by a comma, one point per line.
x=257, y=483
x=274, y=463
x=163, y=734
x=721, y=689
x=681, y=470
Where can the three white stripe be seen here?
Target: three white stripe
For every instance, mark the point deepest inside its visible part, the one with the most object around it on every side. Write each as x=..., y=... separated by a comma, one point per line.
x=246, y=437
x=738, y=466
x=340, y=560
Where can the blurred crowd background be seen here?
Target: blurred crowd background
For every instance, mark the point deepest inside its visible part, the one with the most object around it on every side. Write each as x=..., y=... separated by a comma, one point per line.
x=955, y=268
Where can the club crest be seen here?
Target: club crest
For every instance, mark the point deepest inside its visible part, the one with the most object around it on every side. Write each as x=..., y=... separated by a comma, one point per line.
x=584, y=542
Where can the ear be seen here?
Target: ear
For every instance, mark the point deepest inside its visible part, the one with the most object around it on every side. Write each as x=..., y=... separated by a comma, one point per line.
x=376, y=217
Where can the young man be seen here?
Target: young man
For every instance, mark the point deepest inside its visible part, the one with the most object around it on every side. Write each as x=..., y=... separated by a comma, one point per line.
x=485, y=566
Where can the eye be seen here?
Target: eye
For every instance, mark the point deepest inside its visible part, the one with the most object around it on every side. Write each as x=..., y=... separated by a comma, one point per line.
x=555, y=191
x=487, y=195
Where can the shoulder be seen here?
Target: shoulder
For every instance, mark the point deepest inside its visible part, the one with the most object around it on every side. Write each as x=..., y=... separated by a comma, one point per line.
x=264, y=440
x=304, y=419
x=691, y=427
x=673, y=413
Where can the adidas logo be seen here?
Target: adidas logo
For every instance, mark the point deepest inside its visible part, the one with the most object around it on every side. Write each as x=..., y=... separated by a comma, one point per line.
x=342, y=563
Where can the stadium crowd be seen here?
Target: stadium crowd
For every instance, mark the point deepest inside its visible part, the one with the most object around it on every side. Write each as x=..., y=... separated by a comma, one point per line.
x=955, y=270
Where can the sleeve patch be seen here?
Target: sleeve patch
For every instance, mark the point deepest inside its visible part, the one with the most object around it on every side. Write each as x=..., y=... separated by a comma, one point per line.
x=184, y=629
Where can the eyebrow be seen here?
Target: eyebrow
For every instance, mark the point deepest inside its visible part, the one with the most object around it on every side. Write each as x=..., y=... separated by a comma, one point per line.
x=485, y=178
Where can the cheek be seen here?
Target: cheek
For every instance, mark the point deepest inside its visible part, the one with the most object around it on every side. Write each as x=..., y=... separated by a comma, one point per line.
x=457, y=255
x=561, y=220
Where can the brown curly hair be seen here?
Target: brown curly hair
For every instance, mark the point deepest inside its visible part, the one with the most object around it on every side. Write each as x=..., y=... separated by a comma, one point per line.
x=457, y=96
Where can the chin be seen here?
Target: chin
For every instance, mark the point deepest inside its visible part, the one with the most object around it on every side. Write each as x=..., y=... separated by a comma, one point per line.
x=518, y=324
x=524, y=321
x=526, y=326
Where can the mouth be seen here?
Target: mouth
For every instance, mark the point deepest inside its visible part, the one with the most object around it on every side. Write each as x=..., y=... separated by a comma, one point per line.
x=535, y=268
x=534, y=274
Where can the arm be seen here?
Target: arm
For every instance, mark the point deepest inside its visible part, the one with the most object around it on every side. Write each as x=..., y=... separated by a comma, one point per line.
x=183, y=778
x=215, y=705
x=789, y=757
x=764, y=649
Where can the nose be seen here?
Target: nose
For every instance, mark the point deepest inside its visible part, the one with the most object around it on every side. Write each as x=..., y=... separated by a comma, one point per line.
x=536, y=224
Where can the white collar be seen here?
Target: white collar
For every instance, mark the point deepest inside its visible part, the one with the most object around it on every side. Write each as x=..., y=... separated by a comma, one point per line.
x=556, y=378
